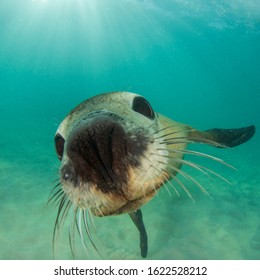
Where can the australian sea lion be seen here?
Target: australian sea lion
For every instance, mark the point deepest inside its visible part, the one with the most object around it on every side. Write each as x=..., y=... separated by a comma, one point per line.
x=116, y=153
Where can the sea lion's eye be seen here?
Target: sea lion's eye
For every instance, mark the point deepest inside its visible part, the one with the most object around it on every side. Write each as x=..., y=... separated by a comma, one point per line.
x=59, y=145
x=142, y=106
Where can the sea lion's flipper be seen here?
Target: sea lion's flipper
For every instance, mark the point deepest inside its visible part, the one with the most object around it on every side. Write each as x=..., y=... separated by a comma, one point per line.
x=223, y=138
x=137, y=218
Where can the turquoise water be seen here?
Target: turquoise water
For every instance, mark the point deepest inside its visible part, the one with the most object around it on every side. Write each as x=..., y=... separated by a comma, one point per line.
x=197, y=62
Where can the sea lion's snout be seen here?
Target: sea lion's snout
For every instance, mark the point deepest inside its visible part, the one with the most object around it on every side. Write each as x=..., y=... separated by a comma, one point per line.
x=97, y=161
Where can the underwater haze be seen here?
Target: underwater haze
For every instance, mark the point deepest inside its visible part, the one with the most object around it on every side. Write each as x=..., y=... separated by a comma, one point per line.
x=198, y=62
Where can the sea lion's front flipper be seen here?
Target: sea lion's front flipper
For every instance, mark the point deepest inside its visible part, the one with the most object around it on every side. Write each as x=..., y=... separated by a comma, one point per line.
x=137, y=218
x=223, y=138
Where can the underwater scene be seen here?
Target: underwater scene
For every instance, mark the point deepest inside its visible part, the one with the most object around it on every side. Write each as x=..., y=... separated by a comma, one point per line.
x=196, y=62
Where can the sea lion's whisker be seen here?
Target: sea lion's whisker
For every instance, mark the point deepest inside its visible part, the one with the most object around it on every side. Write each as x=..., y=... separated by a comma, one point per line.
x=168, y=140
x=56, y=180
x=197, y=167
x=172, y=141
x=56, y=195
x=65, y=211
x=140, y=176
x=72, y=233
x=100, y=212
x=172, y=133
x=58, y=199
x=167, y=189
x=77, y=224
x=66, y=204
x=182, y=186
x=91, y=219
x=165, y=177
x=160, y=155
x=86, y=226
x=71, y=242
x=176, y=142
x=170, y=183
x=76, y=219
x=218, y=175
x=187, y=176
x=57, y=221
x=201, y=167
x=80, y=231
x=53, y=190
x=195, y=153
x=191, y=164
x=159, y=172
x=165, y=128
x=61, y=205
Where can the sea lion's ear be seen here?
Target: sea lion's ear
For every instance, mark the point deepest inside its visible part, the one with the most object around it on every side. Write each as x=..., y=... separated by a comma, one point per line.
x=223, y=138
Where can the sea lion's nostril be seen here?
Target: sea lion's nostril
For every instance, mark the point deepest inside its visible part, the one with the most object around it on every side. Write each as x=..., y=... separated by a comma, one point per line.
x=66, y=176
x=68, y=173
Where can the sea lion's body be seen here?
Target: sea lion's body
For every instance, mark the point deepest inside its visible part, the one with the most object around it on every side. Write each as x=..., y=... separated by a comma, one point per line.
x=116, y=152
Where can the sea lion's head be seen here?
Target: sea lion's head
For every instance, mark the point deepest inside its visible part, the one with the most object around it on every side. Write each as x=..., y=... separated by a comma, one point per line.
x=112, y=156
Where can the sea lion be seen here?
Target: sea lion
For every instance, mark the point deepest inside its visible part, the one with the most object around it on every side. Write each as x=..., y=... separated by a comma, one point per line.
x=116, y=152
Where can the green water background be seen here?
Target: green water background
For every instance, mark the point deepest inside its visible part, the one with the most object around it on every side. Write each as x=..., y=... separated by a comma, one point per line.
x=197, y=62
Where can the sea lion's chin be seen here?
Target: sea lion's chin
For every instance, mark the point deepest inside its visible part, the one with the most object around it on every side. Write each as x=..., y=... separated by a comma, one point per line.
x=89, y=198
x=114, y=197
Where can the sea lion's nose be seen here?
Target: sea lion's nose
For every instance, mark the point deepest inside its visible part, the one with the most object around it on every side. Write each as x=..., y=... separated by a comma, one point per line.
x=97, y=152
x=93, y=151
